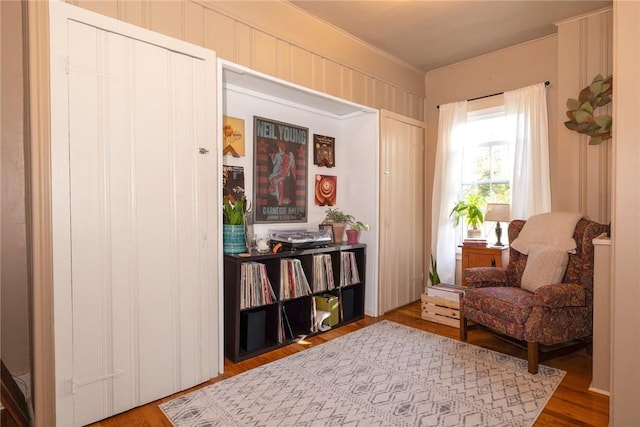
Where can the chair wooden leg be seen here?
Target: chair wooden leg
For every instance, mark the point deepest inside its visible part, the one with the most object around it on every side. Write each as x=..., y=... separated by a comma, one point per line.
x=532, y=357
x=463, y=328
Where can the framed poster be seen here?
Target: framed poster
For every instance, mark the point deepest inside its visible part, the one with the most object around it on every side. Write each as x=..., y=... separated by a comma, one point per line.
x=233, y=136
x=280, y=171
x=324, y=152
x=233, y=181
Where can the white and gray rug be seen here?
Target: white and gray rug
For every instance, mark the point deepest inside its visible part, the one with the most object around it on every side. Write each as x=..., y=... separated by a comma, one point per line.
x=383, y=375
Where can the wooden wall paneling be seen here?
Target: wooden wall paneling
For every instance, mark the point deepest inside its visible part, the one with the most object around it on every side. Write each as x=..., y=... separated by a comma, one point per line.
x=284, y=60
x=244, y=45
x=332, y=78
x=194, y=24
x=359, y=91
x=133, y=12
x=317, y=72
x=401, y=102
x=302, y=62
x=167, y=17
x=583, y=172
x=347, y=83
x=371, y=91
x=107, y=7
x=569, y=142
x=383, y=96
x=416, y=106
x=265, y=53
x=220, y=35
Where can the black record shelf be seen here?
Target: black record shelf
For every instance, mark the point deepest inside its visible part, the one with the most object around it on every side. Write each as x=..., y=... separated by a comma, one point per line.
x=251, y=331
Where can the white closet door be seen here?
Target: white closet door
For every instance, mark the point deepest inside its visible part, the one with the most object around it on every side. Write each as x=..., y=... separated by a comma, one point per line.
x=402, y=210
x=136, y=209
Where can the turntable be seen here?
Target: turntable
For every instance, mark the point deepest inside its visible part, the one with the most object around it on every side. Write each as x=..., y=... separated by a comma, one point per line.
x=300, y=239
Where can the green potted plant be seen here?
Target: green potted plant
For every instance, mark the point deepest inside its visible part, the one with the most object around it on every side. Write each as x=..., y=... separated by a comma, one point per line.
x=233, y=217
x=470, y=209
x=338, y=221
x=434, y=278
x=355, y=227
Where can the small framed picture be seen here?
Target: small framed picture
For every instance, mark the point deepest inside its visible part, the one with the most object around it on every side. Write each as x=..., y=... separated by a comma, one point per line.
x=329, y=229
x=324, y=152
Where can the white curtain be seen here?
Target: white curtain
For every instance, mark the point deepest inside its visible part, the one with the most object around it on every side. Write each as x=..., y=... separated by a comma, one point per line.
x=446, y=186
x=528, y=133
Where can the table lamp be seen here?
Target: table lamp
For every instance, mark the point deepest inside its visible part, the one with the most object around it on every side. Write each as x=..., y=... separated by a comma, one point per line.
x=498, y=212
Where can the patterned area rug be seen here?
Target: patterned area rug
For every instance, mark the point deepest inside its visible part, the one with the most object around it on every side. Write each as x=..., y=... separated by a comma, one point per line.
x=383, y=375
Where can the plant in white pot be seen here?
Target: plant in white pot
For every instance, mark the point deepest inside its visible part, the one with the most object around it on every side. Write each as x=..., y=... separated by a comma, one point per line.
x=353, y=233
x=338, y=221
x=470, y=209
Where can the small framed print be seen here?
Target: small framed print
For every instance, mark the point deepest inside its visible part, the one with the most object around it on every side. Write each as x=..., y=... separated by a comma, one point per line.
x=324, y=152
x=329, y=229
x=326, y=189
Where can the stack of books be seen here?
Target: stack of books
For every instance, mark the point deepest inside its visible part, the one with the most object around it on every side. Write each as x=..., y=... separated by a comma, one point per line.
x=475, y=242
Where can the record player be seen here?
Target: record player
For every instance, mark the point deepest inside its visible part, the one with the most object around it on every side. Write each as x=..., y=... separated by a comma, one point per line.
x=300, y=239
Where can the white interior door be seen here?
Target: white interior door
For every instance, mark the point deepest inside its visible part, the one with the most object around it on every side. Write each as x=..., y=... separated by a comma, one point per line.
x=135, y=214
x=402, y=210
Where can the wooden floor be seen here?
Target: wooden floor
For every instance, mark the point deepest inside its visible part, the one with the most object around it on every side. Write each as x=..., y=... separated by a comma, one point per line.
x=571, y=405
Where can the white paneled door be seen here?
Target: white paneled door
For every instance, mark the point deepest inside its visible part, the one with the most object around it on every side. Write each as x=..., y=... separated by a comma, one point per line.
x=402, y=210
x=135, y=214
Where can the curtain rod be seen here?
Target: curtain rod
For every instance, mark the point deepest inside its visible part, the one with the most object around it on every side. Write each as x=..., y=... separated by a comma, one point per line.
x=493, y=94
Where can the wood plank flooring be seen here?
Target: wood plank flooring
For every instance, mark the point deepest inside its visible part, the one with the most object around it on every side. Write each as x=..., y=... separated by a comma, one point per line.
x=571, y=405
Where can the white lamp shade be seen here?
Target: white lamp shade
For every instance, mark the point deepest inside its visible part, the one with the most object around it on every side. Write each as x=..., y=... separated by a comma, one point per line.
x=498, y=212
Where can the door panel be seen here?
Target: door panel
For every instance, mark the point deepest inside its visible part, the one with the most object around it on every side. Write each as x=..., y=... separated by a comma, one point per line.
x=402, y=211
x=142, y=218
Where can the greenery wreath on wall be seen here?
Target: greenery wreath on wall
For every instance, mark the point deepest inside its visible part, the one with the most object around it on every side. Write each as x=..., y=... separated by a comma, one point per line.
x=581, y=110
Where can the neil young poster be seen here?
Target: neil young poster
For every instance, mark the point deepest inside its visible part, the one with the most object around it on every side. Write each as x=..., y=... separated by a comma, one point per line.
x=280, y=171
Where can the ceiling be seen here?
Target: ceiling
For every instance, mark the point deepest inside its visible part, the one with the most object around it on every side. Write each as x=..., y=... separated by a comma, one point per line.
x=430, y=34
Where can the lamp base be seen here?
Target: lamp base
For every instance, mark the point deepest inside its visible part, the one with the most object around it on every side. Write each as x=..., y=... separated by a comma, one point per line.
x=498, y=235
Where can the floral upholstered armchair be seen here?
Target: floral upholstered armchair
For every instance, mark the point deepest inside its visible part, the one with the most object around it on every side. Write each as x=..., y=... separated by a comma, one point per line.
x=549, y=314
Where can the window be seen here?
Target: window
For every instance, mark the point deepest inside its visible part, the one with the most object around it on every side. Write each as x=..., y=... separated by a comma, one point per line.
x=486, y=158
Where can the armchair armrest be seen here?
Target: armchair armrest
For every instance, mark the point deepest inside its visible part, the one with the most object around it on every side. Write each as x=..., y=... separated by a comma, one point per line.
x=483, y=277
x=561, y=295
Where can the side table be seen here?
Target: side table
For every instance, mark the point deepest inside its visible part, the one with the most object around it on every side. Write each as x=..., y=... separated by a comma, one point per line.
x=484, y=256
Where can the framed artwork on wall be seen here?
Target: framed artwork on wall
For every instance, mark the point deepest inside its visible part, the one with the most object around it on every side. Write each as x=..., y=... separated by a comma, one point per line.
x=233, y=181
x=233, y=136
x=326, y=190
x=324, y=152
x=280, y=171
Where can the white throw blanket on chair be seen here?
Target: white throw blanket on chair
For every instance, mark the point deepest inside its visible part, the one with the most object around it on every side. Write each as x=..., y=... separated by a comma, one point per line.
x=551, y=229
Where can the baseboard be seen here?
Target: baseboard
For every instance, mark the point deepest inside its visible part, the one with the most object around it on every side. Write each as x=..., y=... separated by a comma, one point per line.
x=599, y=391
